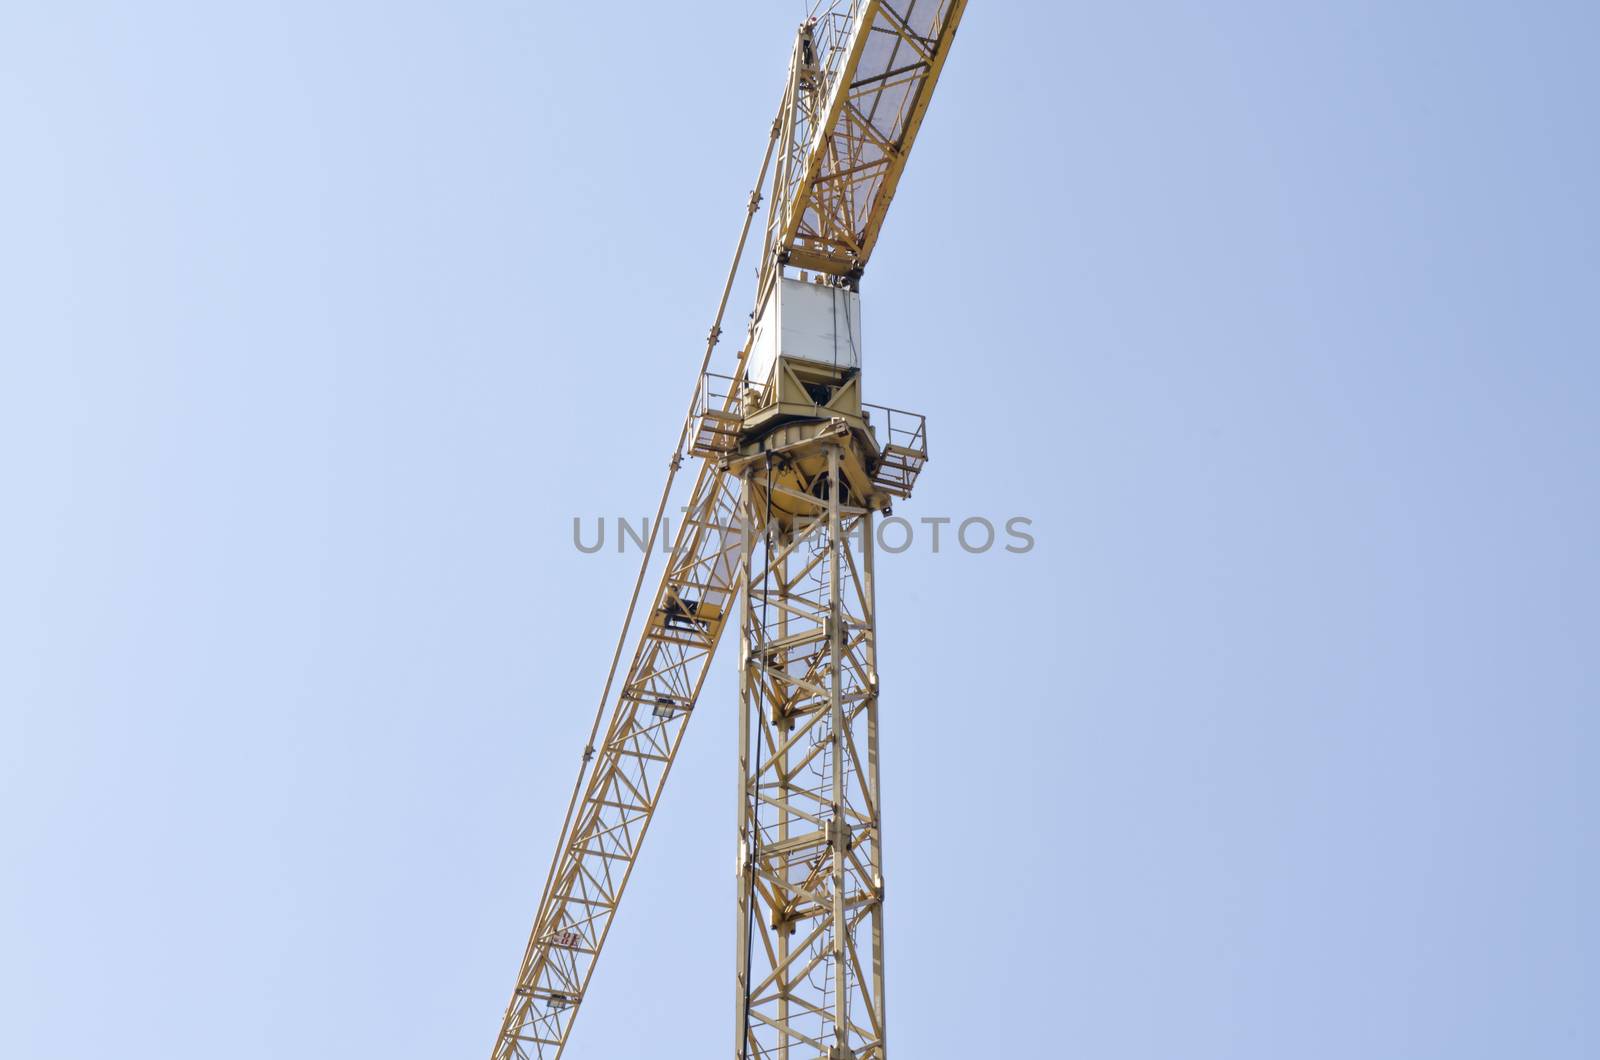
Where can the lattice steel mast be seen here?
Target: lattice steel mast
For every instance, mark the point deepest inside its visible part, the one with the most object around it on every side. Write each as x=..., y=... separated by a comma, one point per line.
x=792, y=466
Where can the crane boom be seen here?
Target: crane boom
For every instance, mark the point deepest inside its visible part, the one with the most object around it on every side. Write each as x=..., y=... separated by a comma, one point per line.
x=621, y=778
x=877, y=65
x=860, y=78
x=629, y=769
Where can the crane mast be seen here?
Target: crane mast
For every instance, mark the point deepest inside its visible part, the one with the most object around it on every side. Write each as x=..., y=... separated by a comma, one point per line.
x=792, y=467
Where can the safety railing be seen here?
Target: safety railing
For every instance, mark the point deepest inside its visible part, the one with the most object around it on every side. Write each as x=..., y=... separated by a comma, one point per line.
x=723, y=403
x=831, y=34
x=720, y=406
x=902, y=444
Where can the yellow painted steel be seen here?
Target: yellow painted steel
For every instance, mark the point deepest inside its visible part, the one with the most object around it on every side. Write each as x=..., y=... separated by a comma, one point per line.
x=864, y=114
x=861, y=75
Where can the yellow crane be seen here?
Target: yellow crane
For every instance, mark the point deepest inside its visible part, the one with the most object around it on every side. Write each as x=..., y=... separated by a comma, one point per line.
x=791, y=466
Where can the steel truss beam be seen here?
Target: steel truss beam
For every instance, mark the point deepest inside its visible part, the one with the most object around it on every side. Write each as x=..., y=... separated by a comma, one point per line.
x=629, y=769
x=853, y=126
x=860, y=80
x=810, y=932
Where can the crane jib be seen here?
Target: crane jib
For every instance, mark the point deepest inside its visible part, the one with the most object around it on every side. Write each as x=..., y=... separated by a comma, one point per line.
x=861, y=76
x=861, y=119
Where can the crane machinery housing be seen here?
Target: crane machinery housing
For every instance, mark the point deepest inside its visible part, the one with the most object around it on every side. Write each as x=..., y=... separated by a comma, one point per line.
x=790, y=467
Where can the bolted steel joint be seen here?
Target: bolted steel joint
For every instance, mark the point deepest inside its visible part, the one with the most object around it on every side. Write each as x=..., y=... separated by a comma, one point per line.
x=839, y=834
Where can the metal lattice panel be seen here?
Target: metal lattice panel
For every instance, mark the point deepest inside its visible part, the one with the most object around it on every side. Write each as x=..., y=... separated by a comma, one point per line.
x=629, y=770
x=857, y=117
x=860, y=79
x=810, y=911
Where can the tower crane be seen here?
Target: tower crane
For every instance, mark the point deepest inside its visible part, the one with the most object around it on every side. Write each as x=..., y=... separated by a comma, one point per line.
x=790, y=467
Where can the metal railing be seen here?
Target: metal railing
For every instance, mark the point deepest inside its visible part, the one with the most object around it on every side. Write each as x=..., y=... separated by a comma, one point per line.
x=723, y=402
x=902, y=438
x=720, y=405
x=730, y=394
x=897, y=427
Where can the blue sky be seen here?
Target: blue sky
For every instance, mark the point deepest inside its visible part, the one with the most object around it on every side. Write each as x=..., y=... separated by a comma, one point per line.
x=320, y=322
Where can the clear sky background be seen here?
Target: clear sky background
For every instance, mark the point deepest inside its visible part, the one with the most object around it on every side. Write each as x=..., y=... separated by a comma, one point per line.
x=319, y=322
